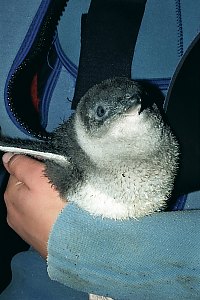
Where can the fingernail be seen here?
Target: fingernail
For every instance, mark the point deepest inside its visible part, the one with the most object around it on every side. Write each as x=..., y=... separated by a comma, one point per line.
x=7, y=157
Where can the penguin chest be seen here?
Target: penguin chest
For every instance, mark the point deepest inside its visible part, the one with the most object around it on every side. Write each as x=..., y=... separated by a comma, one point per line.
x=108, y=195
x=122, y=194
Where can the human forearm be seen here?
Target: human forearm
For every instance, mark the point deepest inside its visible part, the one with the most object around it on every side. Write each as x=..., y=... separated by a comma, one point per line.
x=126, y=259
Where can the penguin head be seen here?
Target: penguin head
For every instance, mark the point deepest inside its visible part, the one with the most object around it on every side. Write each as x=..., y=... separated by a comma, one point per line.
x=106, y=101
x=114, y=117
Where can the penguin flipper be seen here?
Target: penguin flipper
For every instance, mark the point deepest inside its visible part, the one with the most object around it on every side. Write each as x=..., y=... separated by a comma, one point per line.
x=41, y=150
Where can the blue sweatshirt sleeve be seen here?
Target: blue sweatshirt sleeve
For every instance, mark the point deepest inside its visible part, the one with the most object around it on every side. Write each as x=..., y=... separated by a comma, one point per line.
x=155, y=257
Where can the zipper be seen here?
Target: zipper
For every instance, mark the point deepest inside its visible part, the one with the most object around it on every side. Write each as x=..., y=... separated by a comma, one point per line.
x=179, y=27
x=26, y=64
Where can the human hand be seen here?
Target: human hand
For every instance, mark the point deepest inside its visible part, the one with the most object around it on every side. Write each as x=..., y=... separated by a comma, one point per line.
x=32, y=203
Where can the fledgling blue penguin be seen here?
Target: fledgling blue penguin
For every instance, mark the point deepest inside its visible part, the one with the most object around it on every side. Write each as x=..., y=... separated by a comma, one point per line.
x=115, y=157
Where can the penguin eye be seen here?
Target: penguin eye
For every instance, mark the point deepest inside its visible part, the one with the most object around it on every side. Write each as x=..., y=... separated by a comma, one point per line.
x=101, y=111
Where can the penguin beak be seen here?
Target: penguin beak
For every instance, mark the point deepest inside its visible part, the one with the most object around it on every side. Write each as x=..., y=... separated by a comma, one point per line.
x=146, y=102
x=133, y=105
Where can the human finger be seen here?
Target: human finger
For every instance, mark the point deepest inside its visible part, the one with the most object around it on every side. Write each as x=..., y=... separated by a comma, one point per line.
x=24, y=168
x=14, y=188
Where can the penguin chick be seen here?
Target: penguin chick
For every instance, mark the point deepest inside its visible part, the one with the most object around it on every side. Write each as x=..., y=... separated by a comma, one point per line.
x=115, y=157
